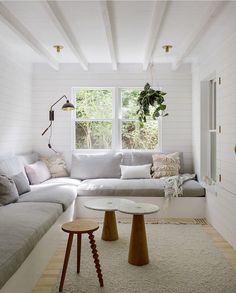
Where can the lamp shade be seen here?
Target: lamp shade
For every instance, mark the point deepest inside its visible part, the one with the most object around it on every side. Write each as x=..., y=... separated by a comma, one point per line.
x=68, y=106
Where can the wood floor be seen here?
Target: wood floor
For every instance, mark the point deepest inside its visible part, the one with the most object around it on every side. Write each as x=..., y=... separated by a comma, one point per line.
x=50, y=275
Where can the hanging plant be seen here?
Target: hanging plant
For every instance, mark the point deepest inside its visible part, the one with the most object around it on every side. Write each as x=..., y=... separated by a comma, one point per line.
x=150, y=97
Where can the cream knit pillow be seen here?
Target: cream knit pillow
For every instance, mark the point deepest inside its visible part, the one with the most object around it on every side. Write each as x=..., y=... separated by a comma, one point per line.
x=56, y=165
x=165, y=165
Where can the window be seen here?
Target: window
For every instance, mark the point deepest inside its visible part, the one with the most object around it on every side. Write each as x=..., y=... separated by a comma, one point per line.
x=133, y=136
x=93, y=126
x=106, y=119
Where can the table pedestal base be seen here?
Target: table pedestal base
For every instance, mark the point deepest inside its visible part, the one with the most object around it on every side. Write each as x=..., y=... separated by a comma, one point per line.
x=138, y=250
x=109, y=232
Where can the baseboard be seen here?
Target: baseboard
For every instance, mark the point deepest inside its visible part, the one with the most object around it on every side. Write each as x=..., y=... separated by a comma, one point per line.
x=180, y=207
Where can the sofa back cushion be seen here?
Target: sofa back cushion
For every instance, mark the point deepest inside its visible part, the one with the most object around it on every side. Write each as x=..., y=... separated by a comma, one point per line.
x=11, y=166
x=28, y=158
x=37, y=172
x=8, y=191
x=134, y=158
x=91, y=166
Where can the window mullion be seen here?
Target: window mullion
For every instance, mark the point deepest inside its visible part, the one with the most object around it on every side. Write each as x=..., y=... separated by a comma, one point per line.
x=116, y=123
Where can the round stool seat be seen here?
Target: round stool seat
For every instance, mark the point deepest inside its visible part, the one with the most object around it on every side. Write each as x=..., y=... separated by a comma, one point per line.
x=80, y=226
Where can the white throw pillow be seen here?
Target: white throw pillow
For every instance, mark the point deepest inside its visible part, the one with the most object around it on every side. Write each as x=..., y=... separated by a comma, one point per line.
x=135, y=172
x=37, y=172
x=165, y=165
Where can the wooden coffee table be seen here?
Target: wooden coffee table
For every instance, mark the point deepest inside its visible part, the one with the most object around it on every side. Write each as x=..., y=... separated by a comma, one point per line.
x=109, y=206
x=138, y=249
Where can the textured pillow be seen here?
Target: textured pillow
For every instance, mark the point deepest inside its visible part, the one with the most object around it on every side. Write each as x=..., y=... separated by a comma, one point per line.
x=56, y=165
x=135, y=172
x=21, y=182
x=96, y=166
x=8, y=191
x=165, y=165
x=37, y=172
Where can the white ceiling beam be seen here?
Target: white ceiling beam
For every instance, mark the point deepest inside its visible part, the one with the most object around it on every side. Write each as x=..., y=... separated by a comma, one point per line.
x=213, y=11
x=109, y=33
x=65, y=30
x=159, y=13
x=25, y=35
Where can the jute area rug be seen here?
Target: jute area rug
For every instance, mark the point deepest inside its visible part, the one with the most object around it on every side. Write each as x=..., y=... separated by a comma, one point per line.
x=183, y=259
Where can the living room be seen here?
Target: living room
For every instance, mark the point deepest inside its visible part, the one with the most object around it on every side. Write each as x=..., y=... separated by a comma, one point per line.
x=95, y=58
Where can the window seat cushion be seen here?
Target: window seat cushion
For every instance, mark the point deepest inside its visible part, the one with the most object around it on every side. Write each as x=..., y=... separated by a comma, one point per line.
x=134, y=187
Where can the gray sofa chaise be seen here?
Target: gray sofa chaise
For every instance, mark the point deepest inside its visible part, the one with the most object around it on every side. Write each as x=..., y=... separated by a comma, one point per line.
x=23, y=223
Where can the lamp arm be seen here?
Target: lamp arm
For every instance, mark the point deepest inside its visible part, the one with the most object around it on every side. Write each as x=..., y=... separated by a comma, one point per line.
x=47, y=128
x=64, y=96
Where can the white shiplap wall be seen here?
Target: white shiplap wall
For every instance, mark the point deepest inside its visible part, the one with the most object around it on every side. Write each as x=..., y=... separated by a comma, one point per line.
x=49, y=85
x=15, y=105
x=221, y=62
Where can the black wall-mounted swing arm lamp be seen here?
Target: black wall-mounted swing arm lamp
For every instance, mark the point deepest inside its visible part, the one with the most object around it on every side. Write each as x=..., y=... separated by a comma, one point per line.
x=66, y=107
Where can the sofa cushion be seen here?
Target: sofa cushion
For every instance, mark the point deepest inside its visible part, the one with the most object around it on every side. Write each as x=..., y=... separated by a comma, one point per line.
x=21, y=182
x=134, y=187
x=24, y=225
x=61, y=180
x=132, y=158
x=60, y=194
x=88, y=166
x=28, y=158
x=8, y=190
x=37, y=172
x=135, y=172
x=11, y=166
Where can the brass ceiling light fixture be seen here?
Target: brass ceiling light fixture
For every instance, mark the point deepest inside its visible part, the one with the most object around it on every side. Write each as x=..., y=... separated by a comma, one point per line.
x=58, y=48
x=167, y=48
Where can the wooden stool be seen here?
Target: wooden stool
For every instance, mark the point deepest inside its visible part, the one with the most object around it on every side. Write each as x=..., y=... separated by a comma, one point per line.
x=80, y=227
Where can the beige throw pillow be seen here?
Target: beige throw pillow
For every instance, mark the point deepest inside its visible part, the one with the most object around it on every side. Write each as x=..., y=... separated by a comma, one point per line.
x=165, y=165
x=56, y=165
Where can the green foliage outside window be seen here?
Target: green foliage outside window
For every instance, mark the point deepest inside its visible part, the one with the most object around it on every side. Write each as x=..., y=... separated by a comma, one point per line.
x=94, y=121
x=134, y=136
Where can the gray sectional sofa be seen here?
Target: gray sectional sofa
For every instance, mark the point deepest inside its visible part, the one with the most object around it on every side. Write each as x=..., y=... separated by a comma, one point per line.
x=23, y=223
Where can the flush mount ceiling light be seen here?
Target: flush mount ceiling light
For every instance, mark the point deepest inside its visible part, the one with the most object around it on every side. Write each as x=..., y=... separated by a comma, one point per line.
x=167, y=48
x=58, y=48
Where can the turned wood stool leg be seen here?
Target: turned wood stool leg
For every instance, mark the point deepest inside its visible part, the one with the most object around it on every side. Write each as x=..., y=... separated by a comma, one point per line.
x=96, y=259
x=78, y=252
x=109, y=231
x=138, y=249
x=66, y=260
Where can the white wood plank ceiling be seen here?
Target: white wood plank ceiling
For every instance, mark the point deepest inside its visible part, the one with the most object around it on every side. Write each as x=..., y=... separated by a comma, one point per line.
x=111, y=32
